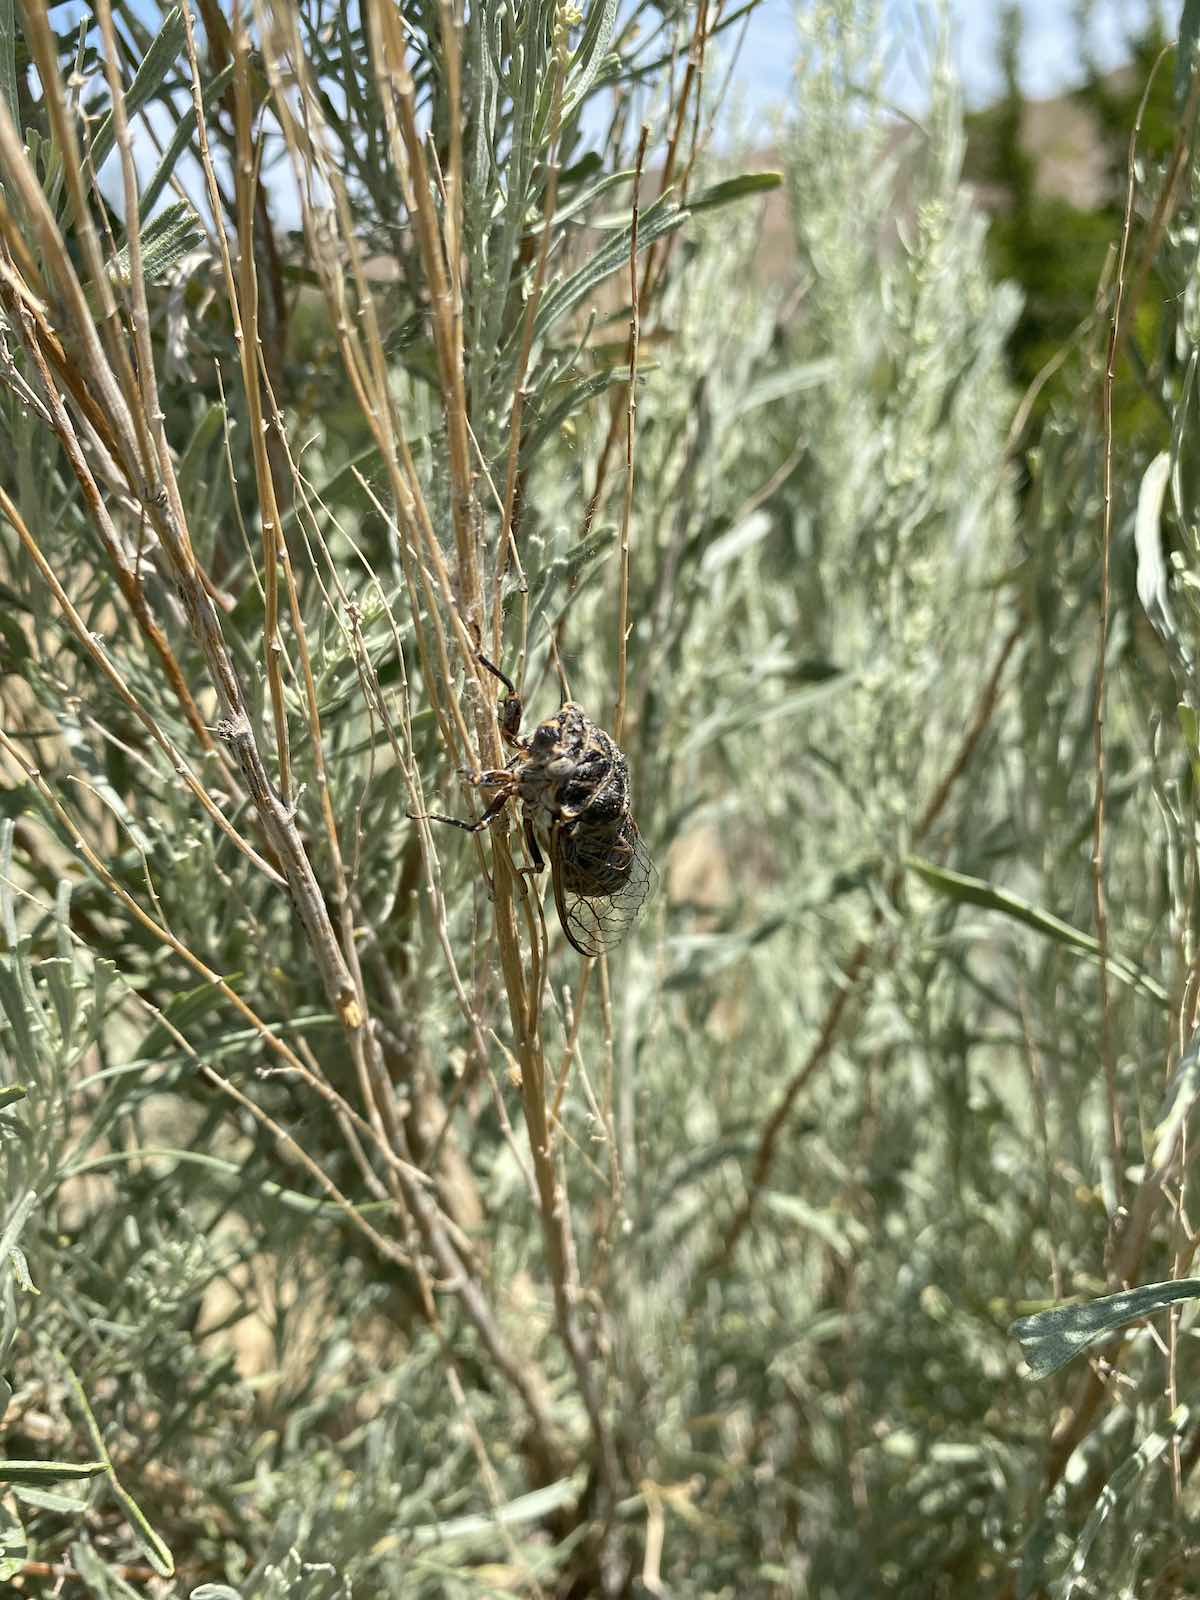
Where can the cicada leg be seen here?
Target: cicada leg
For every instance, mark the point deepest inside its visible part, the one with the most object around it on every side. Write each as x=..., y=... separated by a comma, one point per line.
x=495, y=807
x=497, y=673
x=490, y=778
x=512, y=709
x=536, y=863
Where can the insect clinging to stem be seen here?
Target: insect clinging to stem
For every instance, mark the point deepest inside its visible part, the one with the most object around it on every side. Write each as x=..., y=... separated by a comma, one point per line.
x=573, y=785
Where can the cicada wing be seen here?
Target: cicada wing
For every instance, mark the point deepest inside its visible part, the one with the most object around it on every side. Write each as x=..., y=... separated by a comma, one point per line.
x=582, y=941
x=599, y=895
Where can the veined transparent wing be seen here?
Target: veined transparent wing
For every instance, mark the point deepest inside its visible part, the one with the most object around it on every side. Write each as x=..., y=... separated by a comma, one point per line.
x=602, y=884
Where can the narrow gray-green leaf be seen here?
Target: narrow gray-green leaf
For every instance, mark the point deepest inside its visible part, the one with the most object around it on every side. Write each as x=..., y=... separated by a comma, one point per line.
x=8, y=909
x=147, y=80
x=19, y=1263
x=62, y=922
x=180, y=141
x=18, y=1217
x=530, y=1507
x=792, y=380
x=102, y=1581
x=583, y=201
x=185, y=1008
x=155, y=1547
x=344, y=487
x=563, y=576
x=8, y=60
x=1182, y=1091
x=166, y=239
x=103, y=973
x=157, y=1550
x=307, y=1205
x=659, y=219
x=1049, y=1339
x=205, y=433
x=725, y=193
x=1151, y=568
x=1120, y=1483
x=740, y=538
x=14, y=1547
x=601, y=20
x=978, y=892
x=22, y=1018
x=63, y=1505
x=57, y=975
x=549, y=421
x=35, y=1472
x=15, y=638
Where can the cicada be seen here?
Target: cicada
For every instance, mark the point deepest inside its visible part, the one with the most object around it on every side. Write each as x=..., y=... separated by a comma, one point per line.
x=572, y=783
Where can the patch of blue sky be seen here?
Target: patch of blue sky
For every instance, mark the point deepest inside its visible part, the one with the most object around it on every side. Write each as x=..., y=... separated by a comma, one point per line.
x=1051, y=53
x=759, y=57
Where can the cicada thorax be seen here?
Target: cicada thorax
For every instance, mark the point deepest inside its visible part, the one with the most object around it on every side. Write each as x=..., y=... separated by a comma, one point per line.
x=573, y=775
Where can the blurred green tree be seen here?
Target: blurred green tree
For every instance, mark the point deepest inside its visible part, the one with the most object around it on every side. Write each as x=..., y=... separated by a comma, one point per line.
x=1052, y=227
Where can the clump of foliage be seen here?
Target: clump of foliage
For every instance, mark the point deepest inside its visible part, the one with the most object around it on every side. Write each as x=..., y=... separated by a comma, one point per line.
x=359, y=1237
x=1055, y=248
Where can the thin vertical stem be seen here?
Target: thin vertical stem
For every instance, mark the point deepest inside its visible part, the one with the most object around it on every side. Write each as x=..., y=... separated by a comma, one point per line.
x=1099, y=900
x=245, y=185
x=505, y=544
x=635, y=331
